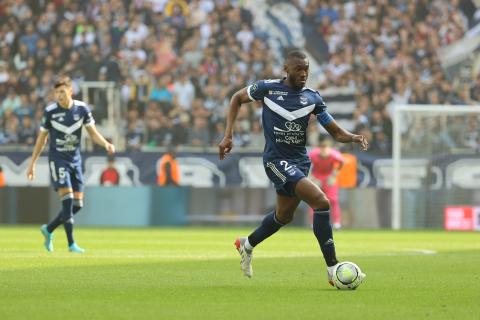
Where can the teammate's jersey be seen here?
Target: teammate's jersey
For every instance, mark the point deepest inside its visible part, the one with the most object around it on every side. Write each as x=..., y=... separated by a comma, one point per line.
x=323, y=167
x=285, y=117
x=65, y=130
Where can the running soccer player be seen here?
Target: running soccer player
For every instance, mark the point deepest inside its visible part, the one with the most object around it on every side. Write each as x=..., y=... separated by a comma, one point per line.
x=63, y=121
x=287, y=106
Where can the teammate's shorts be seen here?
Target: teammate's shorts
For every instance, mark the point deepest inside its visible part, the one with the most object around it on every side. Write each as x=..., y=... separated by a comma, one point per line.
x=66, y=175
x=285, y=174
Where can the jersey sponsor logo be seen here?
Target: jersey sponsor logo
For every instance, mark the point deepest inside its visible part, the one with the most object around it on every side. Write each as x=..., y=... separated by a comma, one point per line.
x=288, y=115
x=290, y=125
x=292, y=134
x=277, y=93
x=70, y=143
x=303, y=100
x=56, y=115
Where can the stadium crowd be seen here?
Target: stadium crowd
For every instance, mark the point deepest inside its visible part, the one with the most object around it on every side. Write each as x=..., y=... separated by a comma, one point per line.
x=177, y=62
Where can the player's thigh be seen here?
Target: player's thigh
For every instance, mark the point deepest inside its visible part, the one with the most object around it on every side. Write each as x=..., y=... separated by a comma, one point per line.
x=286, y=207
x=60, y=177
x=77, y=181
x=309, y=192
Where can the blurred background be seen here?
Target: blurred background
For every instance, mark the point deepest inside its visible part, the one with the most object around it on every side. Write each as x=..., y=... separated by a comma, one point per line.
x=159, y=75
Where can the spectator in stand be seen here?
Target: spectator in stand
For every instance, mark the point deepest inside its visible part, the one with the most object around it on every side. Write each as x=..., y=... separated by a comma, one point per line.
x=142, y=45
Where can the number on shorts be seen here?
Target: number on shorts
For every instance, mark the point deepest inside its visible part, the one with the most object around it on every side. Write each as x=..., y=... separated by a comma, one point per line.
x=61, y=173
x=285, y=165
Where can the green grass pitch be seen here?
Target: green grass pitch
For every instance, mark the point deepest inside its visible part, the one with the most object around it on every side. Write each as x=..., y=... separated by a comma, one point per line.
x=194, y=273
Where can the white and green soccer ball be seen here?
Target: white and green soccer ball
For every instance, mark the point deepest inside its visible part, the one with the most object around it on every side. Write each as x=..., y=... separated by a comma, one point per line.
x=347, y=276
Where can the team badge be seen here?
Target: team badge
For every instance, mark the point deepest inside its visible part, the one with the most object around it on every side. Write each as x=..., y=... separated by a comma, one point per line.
x=76, y=117
x=303, y=100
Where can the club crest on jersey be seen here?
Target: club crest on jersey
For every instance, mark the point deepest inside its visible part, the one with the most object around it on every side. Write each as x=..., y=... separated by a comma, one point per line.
x=303, y=100
x=76, y=117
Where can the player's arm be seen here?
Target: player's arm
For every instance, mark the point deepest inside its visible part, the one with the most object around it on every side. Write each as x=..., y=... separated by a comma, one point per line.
x=237, y=100
x=99, y=139
x=342, y=135
x=39, y=145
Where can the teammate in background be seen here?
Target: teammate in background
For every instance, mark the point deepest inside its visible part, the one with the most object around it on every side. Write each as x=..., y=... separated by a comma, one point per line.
x=63, y=121
x=326, y=163
x=287, y=106
x=110, y=175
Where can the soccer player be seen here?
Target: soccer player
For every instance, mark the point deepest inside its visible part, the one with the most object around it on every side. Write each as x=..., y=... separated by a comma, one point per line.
x=63, y=121
x=287, y=106
x=326, y=162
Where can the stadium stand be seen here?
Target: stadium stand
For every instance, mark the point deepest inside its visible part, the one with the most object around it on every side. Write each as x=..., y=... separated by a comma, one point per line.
x=177, y=62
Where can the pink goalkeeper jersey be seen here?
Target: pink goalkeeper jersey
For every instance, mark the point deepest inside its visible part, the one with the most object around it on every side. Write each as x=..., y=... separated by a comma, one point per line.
x=323, y=167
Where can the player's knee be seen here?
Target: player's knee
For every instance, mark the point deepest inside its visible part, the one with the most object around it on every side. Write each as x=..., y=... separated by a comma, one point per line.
x=77, y=205
x=321, y=202
x=284, y=218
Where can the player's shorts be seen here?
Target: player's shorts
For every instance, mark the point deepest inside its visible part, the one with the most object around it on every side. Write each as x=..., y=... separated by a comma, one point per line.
x=285, y=174
x=66, y=175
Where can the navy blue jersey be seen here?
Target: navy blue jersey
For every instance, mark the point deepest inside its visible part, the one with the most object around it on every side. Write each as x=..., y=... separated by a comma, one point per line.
x=285, y=117
x=65, y=130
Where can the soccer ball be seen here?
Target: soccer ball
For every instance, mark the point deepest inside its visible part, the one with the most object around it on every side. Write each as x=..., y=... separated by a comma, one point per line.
x=347, y=276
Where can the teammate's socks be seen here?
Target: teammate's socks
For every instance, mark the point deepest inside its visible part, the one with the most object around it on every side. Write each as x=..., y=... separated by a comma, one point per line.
x=247, y=245
x=323, y=231
x=55, y=222
x=69, y=231
x=269, y=226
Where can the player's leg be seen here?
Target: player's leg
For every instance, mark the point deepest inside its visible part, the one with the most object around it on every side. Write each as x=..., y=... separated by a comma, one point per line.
x=61, y=181
x=77, y=185
x=332, y=195
x=315, y=198
x=77, y=201
x=271, y=223
x=336, y=215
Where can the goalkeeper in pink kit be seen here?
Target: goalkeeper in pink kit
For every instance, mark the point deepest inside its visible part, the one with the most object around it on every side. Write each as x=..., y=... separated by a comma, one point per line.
x=326, y=163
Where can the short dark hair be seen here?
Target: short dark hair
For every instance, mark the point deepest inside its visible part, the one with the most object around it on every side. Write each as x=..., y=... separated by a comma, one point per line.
x=62, y=81
x=296, y=54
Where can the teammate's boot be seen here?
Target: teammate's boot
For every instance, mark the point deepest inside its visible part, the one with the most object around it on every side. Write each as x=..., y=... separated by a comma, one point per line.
x=330, y=274
x=246, y=257
x=48, y=238
x=76, y=249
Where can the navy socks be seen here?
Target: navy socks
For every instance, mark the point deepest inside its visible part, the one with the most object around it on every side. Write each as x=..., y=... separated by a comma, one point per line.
x=323, y=231
x=269, y=226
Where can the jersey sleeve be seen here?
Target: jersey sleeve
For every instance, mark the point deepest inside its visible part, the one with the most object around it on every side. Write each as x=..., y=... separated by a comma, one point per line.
x=323, y=117
x=257, y=90
x=45, y=124
x=88, y=117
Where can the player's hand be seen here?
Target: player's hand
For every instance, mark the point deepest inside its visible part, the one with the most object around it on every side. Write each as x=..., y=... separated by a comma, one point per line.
x=110, y=148
x=362, y=140
x=224, y=147
x=31, y=172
